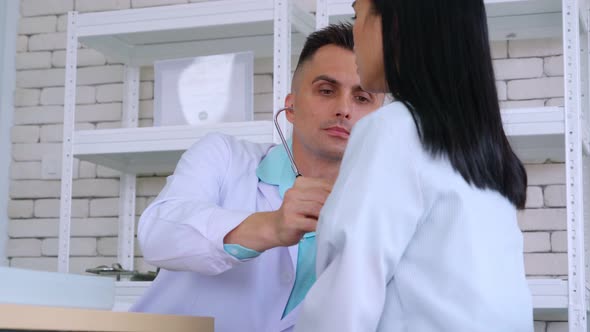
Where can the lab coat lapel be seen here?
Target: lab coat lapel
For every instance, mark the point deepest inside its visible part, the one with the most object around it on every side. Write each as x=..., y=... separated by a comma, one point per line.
x=294, y=251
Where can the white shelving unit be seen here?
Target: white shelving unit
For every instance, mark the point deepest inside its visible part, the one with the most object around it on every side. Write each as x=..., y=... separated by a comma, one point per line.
x=155, y=149
x=138, y=37
x=538, y=134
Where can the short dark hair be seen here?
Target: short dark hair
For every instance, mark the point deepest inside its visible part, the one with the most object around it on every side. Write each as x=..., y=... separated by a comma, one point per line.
x=334, y=34
x=438, y=63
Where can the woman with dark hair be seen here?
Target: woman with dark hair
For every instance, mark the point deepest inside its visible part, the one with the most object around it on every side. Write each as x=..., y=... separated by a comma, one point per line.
x=420, y=232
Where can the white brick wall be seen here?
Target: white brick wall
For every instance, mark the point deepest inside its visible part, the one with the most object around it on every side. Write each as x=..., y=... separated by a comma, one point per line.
x=78, y=247
x=25, y=134
x=55, y=96
x=54, y=132
x=146, y=109
x=95, y=188
x=522, y=103
x=559, y=241
x=534, y=48
x=33, y=60
x=529, y=74
x=38, y=115
x=27, y=97
x=22, y=44
x=553, y=66
x=87, y=170
x=86, y=57
x=48, y=227
x=152, y=3
x=95, y=6
x=34, y=189
x=47, y=41
x=49, y=208
x=542, y=219
x=100, y=74
x=109, y=93
x=107, y=246
x=40, y=78
x=30, y=152
x=555, y=196
x=150, y=186
x=546, y=174
x=534, y=197
x=537, y=242
x=26, y=170
x=499, y=49
x=507, y=69
x=536, y=88
x=23, y=248
x=104, y=207
x=146, y=90
x=46, y=7
x=62, y=22
x=40, y=24
x=543, y=264
x=20, y=209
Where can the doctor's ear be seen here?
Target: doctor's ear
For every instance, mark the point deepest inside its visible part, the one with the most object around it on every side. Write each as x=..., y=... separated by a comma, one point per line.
x=290, y=102
x=290, y=114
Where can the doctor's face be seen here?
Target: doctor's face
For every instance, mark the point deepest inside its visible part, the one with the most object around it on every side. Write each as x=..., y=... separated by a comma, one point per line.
x=328, y=100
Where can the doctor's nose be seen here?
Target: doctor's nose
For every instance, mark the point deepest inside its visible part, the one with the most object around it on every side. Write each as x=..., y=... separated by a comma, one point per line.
x=344, y=109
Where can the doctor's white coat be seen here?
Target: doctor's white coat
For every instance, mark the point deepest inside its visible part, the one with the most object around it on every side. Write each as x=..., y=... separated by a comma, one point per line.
x=213, y=189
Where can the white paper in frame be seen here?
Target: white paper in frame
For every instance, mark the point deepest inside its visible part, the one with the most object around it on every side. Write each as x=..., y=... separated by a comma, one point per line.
x=204, y=90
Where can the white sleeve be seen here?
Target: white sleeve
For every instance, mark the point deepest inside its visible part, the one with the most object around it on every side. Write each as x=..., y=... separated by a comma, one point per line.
x=184, y=228
x=364, y=228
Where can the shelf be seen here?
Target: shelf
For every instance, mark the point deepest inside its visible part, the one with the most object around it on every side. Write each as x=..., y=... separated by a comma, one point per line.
x=549, y=297
x=141, y=36
x=535, y=134
x=28, y=287
x=156, y=149
x=507, y=19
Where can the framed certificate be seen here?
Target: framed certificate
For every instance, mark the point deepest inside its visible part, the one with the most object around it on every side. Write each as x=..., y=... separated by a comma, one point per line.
x=204, y=90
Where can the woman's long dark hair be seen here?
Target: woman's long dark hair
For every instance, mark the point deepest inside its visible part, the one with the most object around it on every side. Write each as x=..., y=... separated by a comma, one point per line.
x=438, y=63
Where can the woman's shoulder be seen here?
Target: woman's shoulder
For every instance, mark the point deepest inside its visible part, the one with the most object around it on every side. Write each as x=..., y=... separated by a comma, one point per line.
x=393, y=121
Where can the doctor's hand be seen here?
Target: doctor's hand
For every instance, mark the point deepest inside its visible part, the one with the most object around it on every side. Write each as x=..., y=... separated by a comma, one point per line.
x=300, y=210
x=286, y=226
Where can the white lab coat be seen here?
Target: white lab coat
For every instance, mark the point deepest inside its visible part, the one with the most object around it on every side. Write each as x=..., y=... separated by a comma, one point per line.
x=405, y=244
x=213, y=189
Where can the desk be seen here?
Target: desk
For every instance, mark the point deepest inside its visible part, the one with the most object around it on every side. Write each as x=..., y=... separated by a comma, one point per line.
x=40, y=318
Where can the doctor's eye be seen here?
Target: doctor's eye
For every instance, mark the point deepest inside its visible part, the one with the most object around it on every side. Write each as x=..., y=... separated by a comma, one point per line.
x=327, y=92
x=362, y=99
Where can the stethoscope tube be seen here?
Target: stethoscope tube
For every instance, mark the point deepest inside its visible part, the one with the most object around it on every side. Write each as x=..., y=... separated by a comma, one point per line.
x=285, y=145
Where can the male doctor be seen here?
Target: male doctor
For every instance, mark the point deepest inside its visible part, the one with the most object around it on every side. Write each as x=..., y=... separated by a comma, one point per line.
x=232, y=230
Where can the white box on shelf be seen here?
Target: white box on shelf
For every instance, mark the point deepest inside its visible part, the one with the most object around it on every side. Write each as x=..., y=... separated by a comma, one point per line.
x=21, y=286
x=204, y=90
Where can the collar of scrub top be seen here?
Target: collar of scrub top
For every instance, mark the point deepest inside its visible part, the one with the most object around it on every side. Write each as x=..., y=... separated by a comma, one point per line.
x=275, y=169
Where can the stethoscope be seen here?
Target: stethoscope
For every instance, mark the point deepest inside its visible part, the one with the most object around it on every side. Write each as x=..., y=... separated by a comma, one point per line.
x=285, y=145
